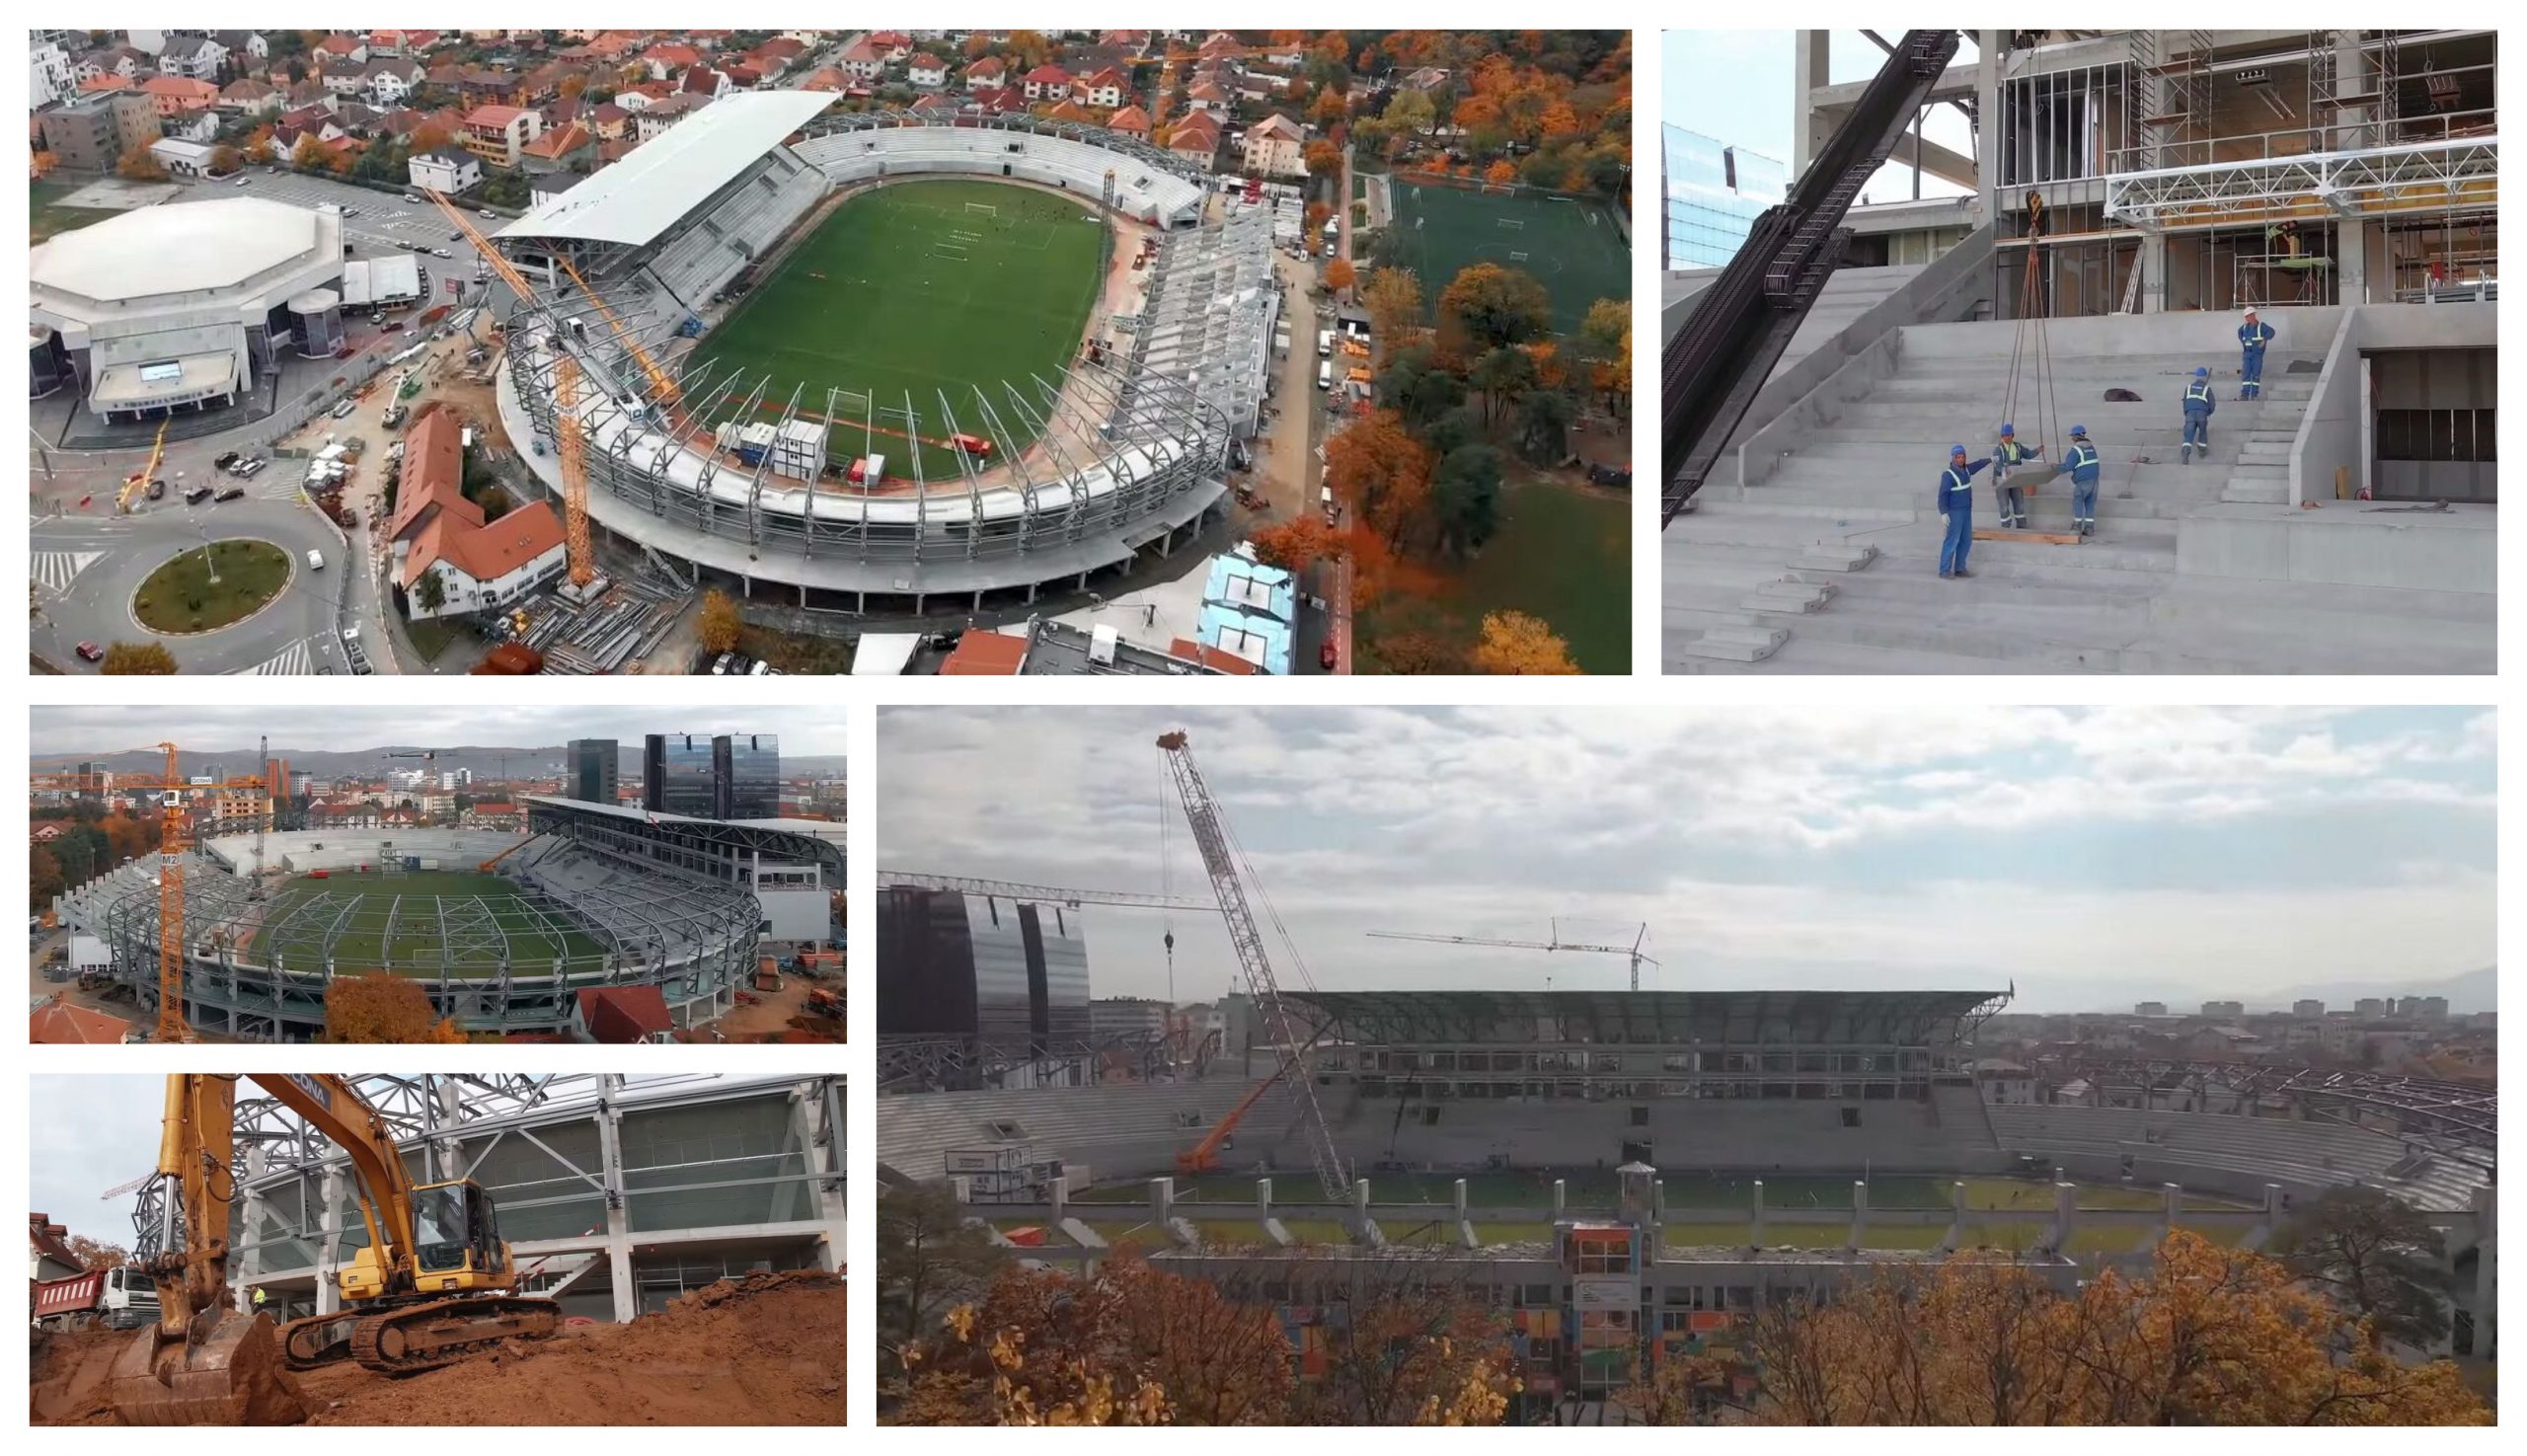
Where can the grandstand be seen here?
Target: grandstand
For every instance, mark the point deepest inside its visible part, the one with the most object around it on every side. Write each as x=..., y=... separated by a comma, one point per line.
x=1118, y=457
x=1722, y=1148
x=585, y=901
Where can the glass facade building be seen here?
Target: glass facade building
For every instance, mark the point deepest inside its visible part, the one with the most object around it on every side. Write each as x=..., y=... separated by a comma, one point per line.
x=1714, y=194
x=748, y=775
x=589, y=767
x=1011, y=975
x=678, y=775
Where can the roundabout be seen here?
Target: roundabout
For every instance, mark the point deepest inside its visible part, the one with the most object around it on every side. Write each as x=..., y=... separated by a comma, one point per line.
x=89, y=571
x=197, y=591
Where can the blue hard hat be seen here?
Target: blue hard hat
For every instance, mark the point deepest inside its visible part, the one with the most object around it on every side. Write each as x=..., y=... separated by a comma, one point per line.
x=2201, y=373
x=1957, y=449
x=2079, y=429
x=2008, y=428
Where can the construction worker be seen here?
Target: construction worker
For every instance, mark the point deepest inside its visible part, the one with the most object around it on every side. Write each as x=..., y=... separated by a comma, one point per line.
x=2081, y=461
x=1957, y=503
x=2005, y=455
x=2253, y=336
x=260, y=1299
x=2199, y=405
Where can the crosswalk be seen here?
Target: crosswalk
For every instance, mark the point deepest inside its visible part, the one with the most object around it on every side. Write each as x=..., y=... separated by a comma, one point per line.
x=295, y=659
x=54, y=571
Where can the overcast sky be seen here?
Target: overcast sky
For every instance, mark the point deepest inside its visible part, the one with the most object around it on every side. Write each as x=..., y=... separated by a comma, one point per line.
x=2092, y=857
x=803, y=731
x=101, y=1131
x=1735, y=86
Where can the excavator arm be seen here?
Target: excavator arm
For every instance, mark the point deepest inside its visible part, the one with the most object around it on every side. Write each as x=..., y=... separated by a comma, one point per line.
x=335, y=1109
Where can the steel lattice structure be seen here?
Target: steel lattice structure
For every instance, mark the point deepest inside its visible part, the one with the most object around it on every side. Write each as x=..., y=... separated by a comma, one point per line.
x=2420, y=177
x=2453, y=1119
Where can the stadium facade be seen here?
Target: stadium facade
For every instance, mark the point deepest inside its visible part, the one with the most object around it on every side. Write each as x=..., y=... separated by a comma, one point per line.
x=591, y=896
x=998, y=982
x=1631, y=1176
x=182, y=309
x=616, y=1193
x=1714, y=194
x=1128, y=451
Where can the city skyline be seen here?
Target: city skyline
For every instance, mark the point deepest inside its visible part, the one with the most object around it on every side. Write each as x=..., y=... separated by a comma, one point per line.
x=54, y=732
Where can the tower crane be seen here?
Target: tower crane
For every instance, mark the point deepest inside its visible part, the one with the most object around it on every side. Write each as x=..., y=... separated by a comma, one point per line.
x=1220, y=860
x=1051, y=895
x=669, y=396
x=566, y=395
x=174, y=837
x=1632, y=951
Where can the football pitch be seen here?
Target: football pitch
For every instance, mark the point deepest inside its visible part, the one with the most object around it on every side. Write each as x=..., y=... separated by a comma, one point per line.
x=398, y=923
x=1573, y=247
x=920, y=288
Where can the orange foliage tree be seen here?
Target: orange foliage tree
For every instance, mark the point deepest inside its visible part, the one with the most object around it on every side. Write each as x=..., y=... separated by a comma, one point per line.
x=1379, y=472
x=1298, y=543
x=377, y=1008
x=1393, y=297
x=1338, y=275
x=1515, y=644
x=1324, y=158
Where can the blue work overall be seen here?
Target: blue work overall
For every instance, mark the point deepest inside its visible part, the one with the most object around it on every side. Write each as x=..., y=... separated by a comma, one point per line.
x=2082, y=463
x=1957, y=503
x=2199, y=405
x=2008, y=455
x=2252, y=338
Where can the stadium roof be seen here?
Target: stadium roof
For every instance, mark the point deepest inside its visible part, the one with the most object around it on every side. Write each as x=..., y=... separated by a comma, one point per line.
x=824, y=829
x=179, y=248
x=1651, y=1018
x=641, y=197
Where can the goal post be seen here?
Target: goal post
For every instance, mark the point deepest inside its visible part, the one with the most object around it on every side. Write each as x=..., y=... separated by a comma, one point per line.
x=987, y=209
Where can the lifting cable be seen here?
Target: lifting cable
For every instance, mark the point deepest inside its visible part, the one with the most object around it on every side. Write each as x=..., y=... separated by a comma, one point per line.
x=1166, y=915
x=2031, y=311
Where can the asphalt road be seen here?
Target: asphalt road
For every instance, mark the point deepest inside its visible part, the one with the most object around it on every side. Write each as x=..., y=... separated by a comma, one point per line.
x=86, y=569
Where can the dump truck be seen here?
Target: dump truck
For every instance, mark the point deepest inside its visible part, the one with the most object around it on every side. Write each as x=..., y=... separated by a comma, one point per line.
x=119, y=1298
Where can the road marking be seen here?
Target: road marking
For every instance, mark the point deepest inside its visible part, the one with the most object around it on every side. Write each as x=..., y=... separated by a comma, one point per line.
x=54, y=571
x=295, y=659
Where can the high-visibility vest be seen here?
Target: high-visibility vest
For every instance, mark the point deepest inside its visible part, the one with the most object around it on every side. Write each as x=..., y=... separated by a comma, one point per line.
x=1957, y=482
x=2199, y=389
x=2082, y=455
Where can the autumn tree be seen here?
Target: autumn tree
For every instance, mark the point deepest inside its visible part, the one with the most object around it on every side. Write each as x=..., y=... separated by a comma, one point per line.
x=1490, y=305
x=429, y=136
x=1393, y=298
x=139, y=163
x=1501, y=373
x=1379, y=472
x=1415, y=385
x=931, y=1255
x=1465, y=492
x=137, y=659
x=378, y=1006
x=1515, y=644
x=224, y=160
x=258, y=145
x=1501, y=173
x=1338, y=273
x=1419, y=653
x=97, y=1254
x=309, y=153
x=1323, y=158
x=719, y=623
x=1404, y=1342
x=2377, y=1258
x=1604, y=344
x=1329, y=109
x=1296, y=544
x=1544, y=427
x=1411, y=112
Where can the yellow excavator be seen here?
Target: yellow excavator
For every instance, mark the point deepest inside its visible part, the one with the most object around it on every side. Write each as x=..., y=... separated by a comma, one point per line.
x=432, y=1286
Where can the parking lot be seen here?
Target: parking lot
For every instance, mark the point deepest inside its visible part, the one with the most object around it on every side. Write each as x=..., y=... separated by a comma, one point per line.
x=384, y=224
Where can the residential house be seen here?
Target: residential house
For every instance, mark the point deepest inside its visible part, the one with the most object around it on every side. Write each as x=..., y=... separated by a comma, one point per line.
x=931, y=104
x=113, y=60
x=60, y=1023
x=48, y=75
x=497, y=134
x=193, y=127
x=621, y=1015
x=863, y=63
x=986, y=74
x=997, y=100
x=390, y=81
x=447, y=170
x=566, y=148
x=1274, y=147
x=337, y=48
x=1206, y=96
x=607, y=120
x=174, y=95
x=1048, y=83
x=1102, y=89
x=1131, y=121
x=49, y=1255
x=249, y=98
x=823, y=78
x=1067, y=109
x=927, y=71
x=197, y=57
x=1197, y=139
x=890, y=46
x=654, y=119
x=402, y=43
x=247, y=50
x=1424, y=78
x=663, y=60
x=478, y=564
x=703, y=81
x=344, y=78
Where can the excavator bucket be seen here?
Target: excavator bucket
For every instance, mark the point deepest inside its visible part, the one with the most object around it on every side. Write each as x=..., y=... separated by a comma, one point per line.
x=226, y=1371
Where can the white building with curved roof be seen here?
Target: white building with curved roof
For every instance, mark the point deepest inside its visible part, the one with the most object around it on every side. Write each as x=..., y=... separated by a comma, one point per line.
x=182, y=307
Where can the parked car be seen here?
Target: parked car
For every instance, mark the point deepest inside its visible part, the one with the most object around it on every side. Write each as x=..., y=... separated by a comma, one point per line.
x=233, y=493
x=486, y=211
x=411, y=198
x=157, y=490
x=720, y=669
x=241, y=182
x=441, y=253
x=225, y=460
x=344, y=407
x=89, y=652
x=459, y=233
x=196, y=495
x=247, y=469
x=315, y=560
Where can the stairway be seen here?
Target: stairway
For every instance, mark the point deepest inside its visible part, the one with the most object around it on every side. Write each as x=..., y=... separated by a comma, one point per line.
x=1829, y=563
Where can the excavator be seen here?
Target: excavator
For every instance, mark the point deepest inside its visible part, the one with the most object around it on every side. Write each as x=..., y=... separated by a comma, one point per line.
x=434, y=1284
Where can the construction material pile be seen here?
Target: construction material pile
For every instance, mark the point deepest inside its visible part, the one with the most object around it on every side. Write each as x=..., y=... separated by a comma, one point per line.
x=766, y=1350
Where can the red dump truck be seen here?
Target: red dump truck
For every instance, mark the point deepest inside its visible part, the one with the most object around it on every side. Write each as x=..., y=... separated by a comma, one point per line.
x=120, y=1298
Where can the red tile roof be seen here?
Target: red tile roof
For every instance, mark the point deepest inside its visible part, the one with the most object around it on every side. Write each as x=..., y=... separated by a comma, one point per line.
x=57, y=1023
x=985, y=654
x=624, y=1014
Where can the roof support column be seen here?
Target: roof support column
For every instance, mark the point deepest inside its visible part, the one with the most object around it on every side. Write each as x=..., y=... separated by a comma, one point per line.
x=618, y=1219
x=1987, y=122
x=328, y=1290
x=1811, y=53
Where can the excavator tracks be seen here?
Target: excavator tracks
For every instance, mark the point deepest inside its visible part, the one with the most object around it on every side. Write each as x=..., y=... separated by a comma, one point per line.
x=424, y=1336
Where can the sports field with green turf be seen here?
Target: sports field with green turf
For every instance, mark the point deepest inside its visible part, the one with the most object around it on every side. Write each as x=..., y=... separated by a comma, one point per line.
x=921, y=288
x=1572, y=247
x=401, y=923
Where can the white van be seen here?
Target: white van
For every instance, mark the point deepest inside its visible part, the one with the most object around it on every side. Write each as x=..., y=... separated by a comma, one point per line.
x=1324, y=344
x=1324, y=375
x=315, y=560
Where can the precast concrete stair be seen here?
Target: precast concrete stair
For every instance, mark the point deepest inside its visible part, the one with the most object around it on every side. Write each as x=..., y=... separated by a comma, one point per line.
x=1849, y=510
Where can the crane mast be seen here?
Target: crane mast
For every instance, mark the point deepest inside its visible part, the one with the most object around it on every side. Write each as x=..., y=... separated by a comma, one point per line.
x=1219, y=861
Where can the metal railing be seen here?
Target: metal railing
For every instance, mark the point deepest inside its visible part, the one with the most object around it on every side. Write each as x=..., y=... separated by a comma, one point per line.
x=2297, y=141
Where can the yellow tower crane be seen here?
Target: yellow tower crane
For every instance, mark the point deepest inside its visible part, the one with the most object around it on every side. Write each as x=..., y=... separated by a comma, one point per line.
x=134, y=484
x=565, y=391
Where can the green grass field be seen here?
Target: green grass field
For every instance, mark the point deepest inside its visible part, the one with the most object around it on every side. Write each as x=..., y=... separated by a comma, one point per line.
x=1560, y=554
x=48, y=217
x=1573, y=247
x=181, y=597
x=919, y=288
x=412, y=944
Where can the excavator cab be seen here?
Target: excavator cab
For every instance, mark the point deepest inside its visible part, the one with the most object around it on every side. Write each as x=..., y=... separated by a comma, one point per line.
x=456, y=1238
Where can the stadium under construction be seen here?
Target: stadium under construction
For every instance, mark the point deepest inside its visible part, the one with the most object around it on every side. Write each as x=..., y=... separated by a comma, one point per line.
x=1630, y=1174
x=504, y=931
x=758, y=483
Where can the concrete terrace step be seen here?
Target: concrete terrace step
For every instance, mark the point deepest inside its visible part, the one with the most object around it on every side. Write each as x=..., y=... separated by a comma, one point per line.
x=1736, y=644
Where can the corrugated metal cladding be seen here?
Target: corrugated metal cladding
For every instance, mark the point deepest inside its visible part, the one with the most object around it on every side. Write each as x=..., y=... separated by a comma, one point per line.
x=1012, y=974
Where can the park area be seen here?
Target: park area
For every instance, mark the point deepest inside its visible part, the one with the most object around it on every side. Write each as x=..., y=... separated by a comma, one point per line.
x=191, y=594
x=1562, y=555
x=916, y=291
x=412, y=922
x=1569, y=245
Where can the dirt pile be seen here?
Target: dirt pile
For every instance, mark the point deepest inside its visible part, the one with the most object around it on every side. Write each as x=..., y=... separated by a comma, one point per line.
x=69, y=1376
x=766, y=1350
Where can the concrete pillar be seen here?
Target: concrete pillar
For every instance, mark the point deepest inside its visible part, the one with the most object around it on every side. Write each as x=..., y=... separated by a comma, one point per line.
x=1262, y=1197
x=1059, y=1191
x=257, y=1213
x=1987, y=129
x=1755, y=1235
x=328, y=1290
x=1360, y=1196
x=2154, y=271
x=811, y=1117
x=1955, y=1236
x=1457, y=1197
x=1811, y=53
x=2351, y=236
x=1860, y=1213
x=2171, y=1204
x=1561, y=1198
x=2066, y=1216
x=618, y=1215
x=2487, y=1300
x=1162, y=1201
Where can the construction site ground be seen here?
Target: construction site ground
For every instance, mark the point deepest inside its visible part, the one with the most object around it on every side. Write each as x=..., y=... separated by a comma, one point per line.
x=777, y=1015
x=766, y=1350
